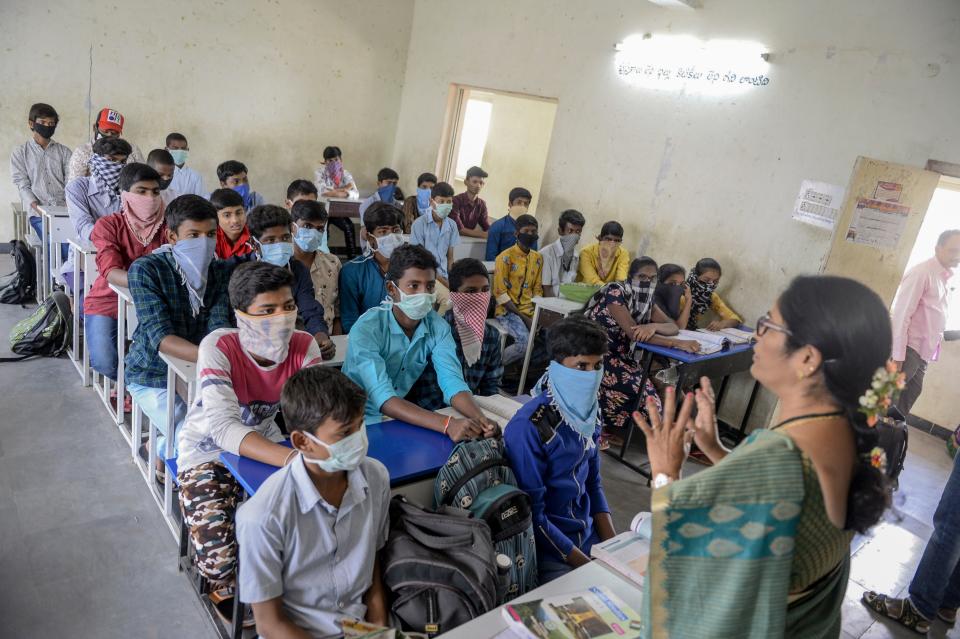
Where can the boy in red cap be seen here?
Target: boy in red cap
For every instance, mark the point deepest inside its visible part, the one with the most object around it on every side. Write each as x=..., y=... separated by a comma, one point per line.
x=109, y=124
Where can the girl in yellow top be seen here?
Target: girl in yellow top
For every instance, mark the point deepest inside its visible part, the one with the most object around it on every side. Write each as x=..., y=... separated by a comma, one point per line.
x=700, y=287
x=606, y=261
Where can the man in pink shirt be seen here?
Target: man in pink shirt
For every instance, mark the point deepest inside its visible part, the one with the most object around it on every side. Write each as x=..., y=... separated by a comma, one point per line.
x=920, y=315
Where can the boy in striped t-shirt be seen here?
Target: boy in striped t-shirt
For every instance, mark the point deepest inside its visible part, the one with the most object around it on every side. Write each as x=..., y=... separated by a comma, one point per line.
x=241, y=372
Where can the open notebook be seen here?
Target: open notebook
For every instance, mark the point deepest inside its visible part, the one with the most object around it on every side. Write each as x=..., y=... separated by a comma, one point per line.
x=497, y=407
x=735, y=335
x=709, y=342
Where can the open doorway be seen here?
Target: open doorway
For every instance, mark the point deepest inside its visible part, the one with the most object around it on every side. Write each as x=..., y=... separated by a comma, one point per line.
x=507, y=134
x=942, y=214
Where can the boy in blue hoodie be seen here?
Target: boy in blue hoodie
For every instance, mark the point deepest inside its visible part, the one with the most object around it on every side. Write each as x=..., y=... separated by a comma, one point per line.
x=552, y=445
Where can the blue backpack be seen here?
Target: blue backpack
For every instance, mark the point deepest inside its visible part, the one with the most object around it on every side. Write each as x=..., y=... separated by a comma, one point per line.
x=477, y=477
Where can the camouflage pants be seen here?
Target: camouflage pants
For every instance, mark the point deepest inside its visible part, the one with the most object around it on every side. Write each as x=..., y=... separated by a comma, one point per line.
x=209, y=496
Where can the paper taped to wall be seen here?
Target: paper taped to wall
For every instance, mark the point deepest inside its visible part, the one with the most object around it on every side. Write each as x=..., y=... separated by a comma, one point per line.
x=878, y=224
x=818, y=204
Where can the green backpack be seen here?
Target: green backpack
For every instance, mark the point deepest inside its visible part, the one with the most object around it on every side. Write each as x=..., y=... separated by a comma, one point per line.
x=47, y=332
x=477, y=477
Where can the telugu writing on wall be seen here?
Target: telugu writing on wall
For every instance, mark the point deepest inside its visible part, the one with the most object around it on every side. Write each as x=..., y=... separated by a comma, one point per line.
x=690, y=75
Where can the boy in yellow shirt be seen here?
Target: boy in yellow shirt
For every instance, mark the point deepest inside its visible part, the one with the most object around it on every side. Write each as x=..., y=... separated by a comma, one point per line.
x=517, y=279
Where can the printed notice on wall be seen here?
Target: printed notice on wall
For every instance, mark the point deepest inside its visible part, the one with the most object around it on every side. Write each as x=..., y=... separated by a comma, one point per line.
x=877, y=223
x=818, y=204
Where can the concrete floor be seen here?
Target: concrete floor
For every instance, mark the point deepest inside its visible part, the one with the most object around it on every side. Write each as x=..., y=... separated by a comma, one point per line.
x=85, y=553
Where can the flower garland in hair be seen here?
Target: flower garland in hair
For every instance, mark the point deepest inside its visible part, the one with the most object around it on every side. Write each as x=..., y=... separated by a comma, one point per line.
x=884, y=390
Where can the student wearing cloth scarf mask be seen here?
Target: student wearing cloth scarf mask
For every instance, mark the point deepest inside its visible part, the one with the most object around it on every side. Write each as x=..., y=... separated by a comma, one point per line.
x=109, y=124
x=392, y=345
x=272, y=237
x=551, y=444
x=333, y=180
x=120, y=238
x=180, y=293
x=241, y=373
x=478, y=344
x=605, y=260
x=626, y=311
x=702, y=282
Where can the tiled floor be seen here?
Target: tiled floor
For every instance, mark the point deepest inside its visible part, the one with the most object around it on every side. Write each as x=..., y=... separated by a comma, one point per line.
x=83, y=550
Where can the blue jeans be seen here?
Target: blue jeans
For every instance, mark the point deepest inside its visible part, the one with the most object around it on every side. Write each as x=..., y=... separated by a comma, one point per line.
x=101, y=334
x=936, y=584
x=153, y=403
x=515, y=328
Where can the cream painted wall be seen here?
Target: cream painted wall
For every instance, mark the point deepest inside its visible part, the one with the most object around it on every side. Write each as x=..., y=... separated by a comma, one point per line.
x=516, y=149
x=267, y=83
x=692, y=175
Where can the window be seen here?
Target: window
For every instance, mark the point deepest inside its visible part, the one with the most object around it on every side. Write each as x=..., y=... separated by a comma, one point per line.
x=473, y=136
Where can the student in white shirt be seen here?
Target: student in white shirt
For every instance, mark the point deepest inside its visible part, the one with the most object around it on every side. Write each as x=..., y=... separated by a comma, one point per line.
x=185, y=179
x=161, y=161
x=309, y=537
x=334, y=181
x=561, y=258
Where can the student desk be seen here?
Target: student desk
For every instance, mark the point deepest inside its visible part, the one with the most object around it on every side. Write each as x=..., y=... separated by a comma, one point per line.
x=593, y=574
x=691, y=367
x=559, y=305
x=475, y=247
x=342, y=343
x=126, y=324
x=19, y=222
x=35, y=244
x=85, y=269
x=412, y=455
x=344, y=208
x=490, y=266
x=57, y=229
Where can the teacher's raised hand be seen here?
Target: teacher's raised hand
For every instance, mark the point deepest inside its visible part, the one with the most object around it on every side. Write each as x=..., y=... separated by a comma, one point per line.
x=669, y=436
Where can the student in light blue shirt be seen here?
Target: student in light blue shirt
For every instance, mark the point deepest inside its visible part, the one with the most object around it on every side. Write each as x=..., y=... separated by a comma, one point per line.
x=391, y=345
x=185, y=179
x=387, y=191
x=363, y=283
x=503, y=233
x=310, y=536
x=436, y=232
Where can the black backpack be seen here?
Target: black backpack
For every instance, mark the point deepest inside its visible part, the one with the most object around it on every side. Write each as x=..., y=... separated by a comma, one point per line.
x=20, y=286
x=47, y=332
x=440, y=567
x=892, y=437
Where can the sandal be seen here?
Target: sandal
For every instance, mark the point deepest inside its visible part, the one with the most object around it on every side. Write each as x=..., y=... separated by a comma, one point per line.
x=909, y=616
x=947, y=615
x=222, y=601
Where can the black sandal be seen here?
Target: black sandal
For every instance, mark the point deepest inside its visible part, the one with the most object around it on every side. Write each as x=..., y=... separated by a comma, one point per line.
x=909, y=616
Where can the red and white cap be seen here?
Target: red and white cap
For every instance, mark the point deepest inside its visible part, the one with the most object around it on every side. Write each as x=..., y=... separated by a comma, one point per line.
x=110, y=120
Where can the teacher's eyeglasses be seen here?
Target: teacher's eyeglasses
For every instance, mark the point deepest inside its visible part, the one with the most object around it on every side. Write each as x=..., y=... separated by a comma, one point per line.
x=765, y=323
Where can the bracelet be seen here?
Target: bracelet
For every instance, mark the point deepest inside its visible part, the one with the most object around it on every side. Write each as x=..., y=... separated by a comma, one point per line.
x=289, y=456
x=446, y=424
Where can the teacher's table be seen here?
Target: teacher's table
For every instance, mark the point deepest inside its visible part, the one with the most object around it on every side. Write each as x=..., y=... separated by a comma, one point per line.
x=412, y=455
x=691, y=367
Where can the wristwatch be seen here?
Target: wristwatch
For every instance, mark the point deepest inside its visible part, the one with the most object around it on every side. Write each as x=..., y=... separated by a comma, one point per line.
x=661, y=479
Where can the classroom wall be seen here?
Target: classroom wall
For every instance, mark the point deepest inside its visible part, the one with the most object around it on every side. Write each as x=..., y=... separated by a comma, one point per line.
x=270, y=84
x=693, y=175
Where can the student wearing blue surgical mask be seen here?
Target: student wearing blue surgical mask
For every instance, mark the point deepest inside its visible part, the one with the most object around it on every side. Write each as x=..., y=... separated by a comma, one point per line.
x=310, y=221
x=180, y=295
x=551, y=444
x=233, y=175
x=185, y=179
x=363, y=283
x=438, y=233
x=418, y=205
x=330, y=501
x=271, y=232
x=391, y=346
x=387, y=191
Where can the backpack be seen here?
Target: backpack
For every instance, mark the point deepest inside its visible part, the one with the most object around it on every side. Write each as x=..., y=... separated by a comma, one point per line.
x=893, y=435
x=19, y=287
x=440, y=567
x=478, y=478
x=48, y=331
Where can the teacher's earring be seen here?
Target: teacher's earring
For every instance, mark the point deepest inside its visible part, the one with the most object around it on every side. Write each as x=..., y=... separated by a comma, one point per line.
x=800, y=375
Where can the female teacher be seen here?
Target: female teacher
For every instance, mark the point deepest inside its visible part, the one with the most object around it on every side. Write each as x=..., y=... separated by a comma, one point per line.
x=759, y=544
